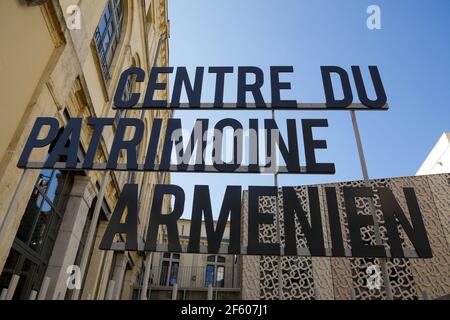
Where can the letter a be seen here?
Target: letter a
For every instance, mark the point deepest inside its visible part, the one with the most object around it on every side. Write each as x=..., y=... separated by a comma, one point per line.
x=374, y=20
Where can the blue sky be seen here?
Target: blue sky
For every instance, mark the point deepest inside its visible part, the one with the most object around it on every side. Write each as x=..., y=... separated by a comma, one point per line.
x=411, y=50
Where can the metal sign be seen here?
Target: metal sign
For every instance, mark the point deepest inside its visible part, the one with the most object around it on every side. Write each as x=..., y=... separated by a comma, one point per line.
x=64, y=142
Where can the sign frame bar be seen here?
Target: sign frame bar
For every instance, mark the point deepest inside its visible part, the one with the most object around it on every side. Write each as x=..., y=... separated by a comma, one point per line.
x=318, y=106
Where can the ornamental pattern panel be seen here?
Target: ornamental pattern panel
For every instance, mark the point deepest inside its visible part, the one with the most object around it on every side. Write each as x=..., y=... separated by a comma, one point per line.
x=250, y=273
x=323, y=278
x=341, y=267
x=296, y=272
x=322, y=267
x=433, y=196
x=401, y=281
x=335, y=278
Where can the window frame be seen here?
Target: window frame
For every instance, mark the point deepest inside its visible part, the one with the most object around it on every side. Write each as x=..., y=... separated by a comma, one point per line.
x=166, y=275
x=113, y=27
x=214, y=263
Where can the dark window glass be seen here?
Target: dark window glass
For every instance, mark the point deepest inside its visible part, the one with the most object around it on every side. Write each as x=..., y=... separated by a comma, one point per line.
x=37, y=232
x=215, y=271
x=176, y=256
x=45, y=207
x=27, y=275
x=43, y=222
x=209, y=275
x=164, y=273
x=107, y=34
x=220, y=278
x=30, y=216
x=169, y=269
x=173, y=273
x=9, y=268
x=113, y=266
x=117, y=117
x=131, y=81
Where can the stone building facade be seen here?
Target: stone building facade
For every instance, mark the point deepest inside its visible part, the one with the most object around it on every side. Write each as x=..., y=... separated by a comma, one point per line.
x=63, y=59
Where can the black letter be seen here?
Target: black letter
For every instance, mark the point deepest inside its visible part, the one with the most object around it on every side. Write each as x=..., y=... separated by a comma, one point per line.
x=218, y=145
x=99, y=124
x=202, y=205
x=328, y=87
x=170, y=220
x=134, y=98
x=34, y=142
x=394, y=215
x=130, y=145
x=310, y=145
x=220, y=83
x=129, y=199
x=291, y=156
x=174, y=134
x=277, y=86
x=253, y=165
x=378, y=85
x=67, y=144
x=193, y=93
x=254, y=88
x=313, y=233
x=356, y=221
x=153, y=144
x=256, y=218
x=154, y=85
x=335, y=224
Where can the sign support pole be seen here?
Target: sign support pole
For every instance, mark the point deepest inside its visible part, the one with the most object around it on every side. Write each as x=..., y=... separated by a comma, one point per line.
x=148, y=256
x=362, y=160
x=275, y=178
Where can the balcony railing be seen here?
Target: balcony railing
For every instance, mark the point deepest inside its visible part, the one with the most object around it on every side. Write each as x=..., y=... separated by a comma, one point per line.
x=219, y=276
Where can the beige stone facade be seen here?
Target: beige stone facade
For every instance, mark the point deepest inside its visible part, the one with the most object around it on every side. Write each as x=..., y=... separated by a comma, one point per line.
x=194, y=273
x=51, y=220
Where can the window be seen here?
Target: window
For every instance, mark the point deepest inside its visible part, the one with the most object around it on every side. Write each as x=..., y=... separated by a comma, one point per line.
x=38, y=229
x=37, y=232
x=215, y=271
x=169, y=269
x=45, y=209
x=131, y=82
x=119, y=114
x=107, y=34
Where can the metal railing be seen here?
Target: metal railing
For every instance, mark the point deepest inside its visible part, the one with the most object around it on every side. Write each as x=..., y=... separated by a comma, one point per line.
x=219, y=276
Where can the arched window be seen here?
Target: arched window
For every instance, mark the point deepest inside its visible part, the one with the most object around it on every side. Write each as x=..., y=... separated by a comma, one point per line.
x=107, y=34
x=215, y=271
